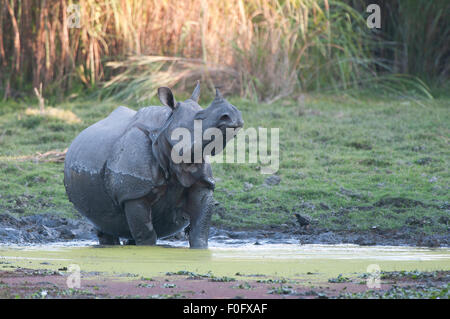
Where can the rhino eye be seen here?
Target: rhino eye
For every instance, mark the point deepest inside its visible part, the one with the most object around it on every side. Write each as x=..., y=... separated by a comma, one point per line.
x=225, y=118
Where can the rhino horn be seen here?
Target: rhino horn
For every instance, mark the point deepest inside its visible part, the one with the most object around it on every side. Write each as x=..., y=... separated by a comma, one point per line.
x=196, y=94
x=218, y=94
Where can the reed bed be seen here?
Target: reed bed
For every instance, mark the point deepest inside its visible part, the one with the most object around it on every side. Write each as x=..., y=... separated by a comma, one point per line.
x=260, y=49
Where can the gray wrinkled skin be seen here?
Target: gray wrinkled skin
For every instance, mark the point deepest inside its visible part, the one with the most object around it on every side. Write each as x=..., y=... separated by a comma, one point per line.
x=119, y=173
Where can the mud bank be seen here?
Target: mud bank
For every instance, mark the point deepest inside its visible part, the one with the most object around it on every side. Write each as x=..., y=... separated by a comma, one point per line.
x=43, y=228
x=48, y=228
x=40, y=284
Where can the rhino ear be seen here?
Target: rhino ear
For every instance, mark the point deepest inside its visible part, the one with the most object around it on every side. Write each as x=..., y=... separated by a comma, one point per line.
x=166, y=97
x=196, y=94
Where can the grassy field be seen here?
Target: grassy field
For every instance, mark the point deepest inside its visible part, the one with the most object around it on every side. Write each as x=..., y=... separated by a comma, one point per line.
x=349, y=164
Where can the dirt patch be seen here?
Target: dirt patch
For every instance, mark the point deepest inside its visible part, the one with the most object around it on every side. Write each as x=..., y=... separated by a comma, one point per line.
x=54, y=156
x=360, y=145
x=374, y=162
x=399, y=202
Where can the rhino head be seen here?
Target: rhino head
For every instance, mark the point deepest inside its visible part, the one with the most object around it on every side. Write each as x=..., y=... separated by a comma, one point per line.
x=220, y=114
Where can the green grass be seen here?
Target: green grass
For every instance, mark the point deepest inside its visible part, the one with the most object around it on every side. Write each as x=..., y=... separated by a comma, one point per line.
x=350, y=164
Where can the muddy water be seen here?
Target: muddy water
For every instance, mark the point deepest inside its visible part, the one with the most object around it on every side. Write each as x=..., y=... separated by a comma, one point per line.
x=272, y=260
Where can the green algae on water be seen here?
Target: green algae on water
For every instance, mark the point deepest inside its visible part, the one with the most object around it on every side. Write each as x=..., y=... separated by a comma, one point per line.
x=311, y=262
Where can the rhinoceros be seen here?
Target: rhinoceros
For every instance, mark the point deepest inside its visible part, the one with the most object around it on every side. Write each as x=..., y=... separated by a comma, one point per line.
x=120, y=175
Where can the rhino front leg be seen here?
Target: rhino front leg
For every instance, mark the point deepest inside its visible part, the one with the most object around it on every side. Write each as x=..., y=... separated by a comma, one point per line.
x=200, y=204
x=139, y=217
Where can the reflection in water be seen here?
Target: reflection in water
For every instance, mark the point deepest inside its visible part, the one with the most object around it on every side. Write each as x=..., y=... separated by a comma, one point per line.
x=239, y=249
x=274, y=251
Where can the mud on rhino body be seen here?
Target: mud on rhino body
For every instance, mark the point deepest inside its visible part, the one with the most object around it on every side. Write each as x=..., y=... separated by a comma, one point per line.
x=120, y=175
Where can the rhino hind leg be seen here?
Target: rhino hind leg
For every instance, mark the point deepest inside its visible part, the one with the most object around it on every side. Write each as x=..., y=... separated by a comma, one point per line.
x=107, y=239
x=138, y=212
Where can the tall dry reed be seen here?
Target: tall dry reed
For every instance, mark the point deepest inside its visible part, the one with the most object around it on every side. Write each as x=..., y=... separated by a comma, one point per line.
x=263, y=49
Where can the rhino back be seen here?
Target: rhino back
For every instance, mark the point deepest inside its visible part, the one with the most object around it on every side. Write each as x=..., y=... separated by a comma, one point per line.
x=92, y=146
x=152, y=117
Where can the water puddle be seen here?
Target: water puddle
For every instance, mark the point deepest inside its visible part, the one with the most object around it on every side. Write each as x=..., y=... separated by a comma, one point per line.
x=225, y=258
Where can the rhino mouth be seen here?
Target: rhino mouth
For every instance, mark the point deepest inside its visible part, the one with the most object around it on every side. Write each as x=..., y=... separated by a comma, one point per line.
x=223, y=127
x=225, y=138
x=230, y=133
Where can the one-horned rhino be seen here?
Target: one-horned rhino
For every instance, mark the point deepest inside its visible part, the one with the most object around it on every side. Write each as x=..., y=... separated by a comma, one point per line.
x=119, y=172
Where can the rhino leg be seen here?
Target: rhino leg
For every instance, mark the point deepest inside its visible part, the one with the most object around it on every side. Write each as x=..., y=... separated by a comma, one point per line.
x=139, y=217
x=129, y=242
x=200, y=204
x=107, y=239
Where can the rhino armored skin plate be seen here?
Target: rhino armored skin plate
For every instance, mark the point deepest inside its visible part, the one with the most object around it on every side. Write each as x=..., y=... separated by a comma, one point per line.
x=120, y=175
